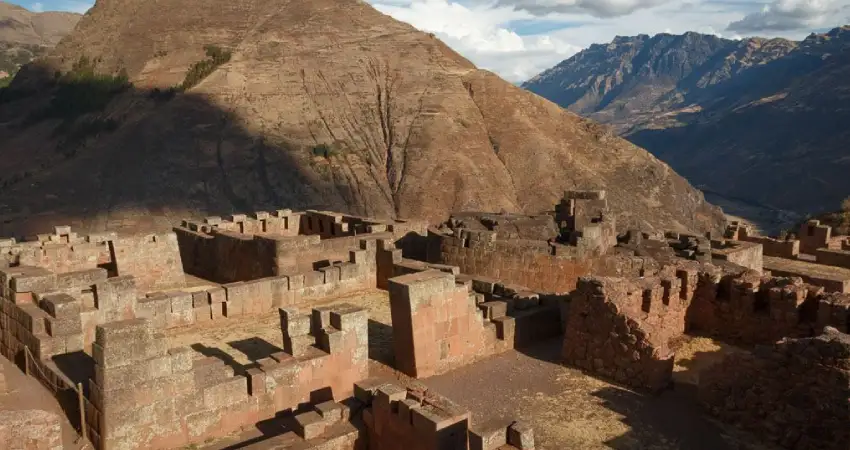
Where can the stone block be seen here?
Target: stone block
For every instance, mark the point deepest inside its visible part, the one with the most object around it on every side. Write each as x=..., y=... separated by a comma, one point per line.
x=217, y=295
x=200, y=298
x=330, y=411
x=331, y=340
x=61, y=306
x=494, y=309
x=298, y=345
x=405, y=409
x=294, y=323
x=203, y=313
x=256, y=381
x=321, y=318
x=227, y=393
x=347, y=317
x=181, y=301
x=521, y=436
x=182, y=359
x=64, y=326
x=232, y=309
x=314, y=278
x=309, y=425
x=364, y=390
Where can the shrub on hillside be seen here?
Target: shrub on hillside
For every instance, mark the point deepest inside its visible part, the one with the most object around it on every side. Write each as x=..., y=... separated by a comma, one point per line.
x=202, y=69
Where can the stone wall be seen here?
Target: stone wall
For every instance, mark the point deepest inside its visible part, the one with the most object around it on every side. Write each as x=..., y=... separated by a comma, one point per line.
x=813, y=235
x=441, y=323
x=793, y=394
x=742, y=253
x=416, y=419
x=751, y=309
x=176, y=308
x=833, y=257
x=55, y=314
x=620, y=329
x=528, y=263
x=153, y=260
x=62, y=251
x=148, y=396
x=780, y=248
x=243, y=248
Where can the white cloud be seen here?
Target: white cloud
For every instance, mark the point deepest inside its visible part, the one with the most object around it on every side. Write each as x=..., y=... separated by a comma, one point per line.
x=478, y=32
x=786, y=15
x=37, y=7
x=598, y=8
x=520, y=38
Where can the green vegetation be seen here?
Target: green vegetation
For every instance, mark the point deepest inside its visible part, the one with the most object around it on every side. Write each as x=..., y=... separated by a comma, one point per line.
x=202, y=69
x=81, y=91
x=5, y=81
x=326, y=151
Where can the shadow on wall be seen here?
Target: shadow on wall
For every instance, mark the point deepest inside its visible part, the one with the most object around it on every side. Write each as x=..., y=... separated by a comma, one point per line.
x=162, y=159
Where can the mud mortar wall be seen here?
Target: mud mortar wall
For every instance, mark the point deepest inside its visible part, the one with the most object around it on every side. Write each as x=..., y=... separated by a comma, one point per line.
x=793, y=393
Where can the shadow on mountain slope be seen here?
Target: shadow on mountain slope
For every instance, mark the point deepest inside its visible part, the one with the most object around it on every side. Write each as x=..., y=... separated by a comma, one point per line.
x=161, y=160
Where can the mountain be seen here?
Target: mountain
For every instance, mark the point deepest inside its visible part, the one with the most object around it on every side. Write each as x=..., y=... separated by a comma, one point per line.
x=764, y=120
x=25, y=35
x=301, y=104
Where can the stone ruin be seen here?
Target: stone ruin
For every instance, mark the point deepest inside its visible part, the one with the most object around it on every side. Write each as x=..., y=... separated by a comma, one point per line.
x=120, y=323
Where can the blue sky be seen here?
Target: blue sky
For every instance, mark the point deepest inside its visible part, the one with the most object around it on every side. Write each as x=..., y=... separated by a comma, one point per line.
x=520, y=38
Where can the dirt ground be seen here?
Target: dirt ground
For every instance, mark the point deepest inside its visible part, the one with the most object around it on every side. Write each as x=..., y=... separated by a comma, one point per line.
x=26, y=393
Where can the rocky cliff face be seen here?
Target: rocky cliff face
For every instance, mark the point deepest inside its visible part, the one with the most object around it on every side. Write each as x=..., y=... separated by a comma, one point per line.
x=25, y=35
x=757, y=119
x=323, y=104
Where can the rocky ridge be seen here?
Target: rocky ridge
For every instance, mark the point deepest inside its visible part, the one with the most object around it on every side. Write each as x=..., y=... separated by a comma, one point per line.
x=755, y=119
x=322, y=104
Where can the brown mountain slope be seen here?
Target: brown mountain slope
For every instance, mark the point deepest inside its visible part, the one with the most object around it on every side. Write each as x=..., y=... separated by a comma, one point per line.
x=25, y=35
x=758, y=120
x=411, y=128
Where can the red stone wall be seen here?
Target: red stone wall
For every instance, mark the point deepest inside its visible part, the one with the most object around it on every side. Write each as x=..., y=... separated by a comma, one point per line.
x=435, y=327
x=793, y=394
x=416, y=419
x=775, y=247
x=147, y=396
x=153, y=260
x=832, y=257
x=526, y=263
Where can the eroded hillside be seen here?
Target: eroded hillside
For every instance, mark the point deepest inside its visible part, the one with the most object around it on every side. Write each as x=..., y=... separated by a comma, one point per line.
x=321, y=104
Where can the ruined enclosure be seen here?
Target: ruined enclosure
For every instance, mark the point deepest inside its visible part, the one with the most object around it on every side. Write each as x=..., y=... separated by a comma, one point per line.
x=323, y=330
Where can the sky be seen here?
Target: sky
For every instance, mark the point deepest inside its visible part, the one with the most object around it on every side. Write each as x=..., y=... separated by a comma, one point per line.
x=520, y=38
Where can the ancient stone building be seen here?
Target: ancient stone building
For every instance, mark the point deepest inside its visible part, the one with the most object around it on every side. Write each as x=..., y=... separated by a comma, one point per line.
x=182, y=338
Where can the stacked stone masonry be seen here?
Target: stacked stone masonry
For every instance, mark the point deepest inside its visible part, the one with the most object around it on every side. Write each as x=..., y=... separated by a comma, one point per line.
x=417, y=419
x=479, y=285
x=794, y=393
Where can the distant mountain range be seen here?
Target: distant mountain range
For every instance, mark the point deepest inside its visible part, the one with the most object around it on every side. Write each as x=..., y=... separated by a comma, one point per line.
x=26, y=35
x=766, y=120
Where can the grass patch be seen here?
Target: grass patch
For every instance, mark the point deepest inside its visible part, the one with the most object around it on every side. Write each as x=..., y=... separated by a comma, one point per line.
x=325, y=151
x=216, y=56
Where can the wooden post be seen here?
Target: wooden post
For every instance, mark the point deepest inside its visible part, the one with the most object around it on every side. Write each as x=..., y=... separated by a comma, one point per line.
x=27, y=361
x=82, y=400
